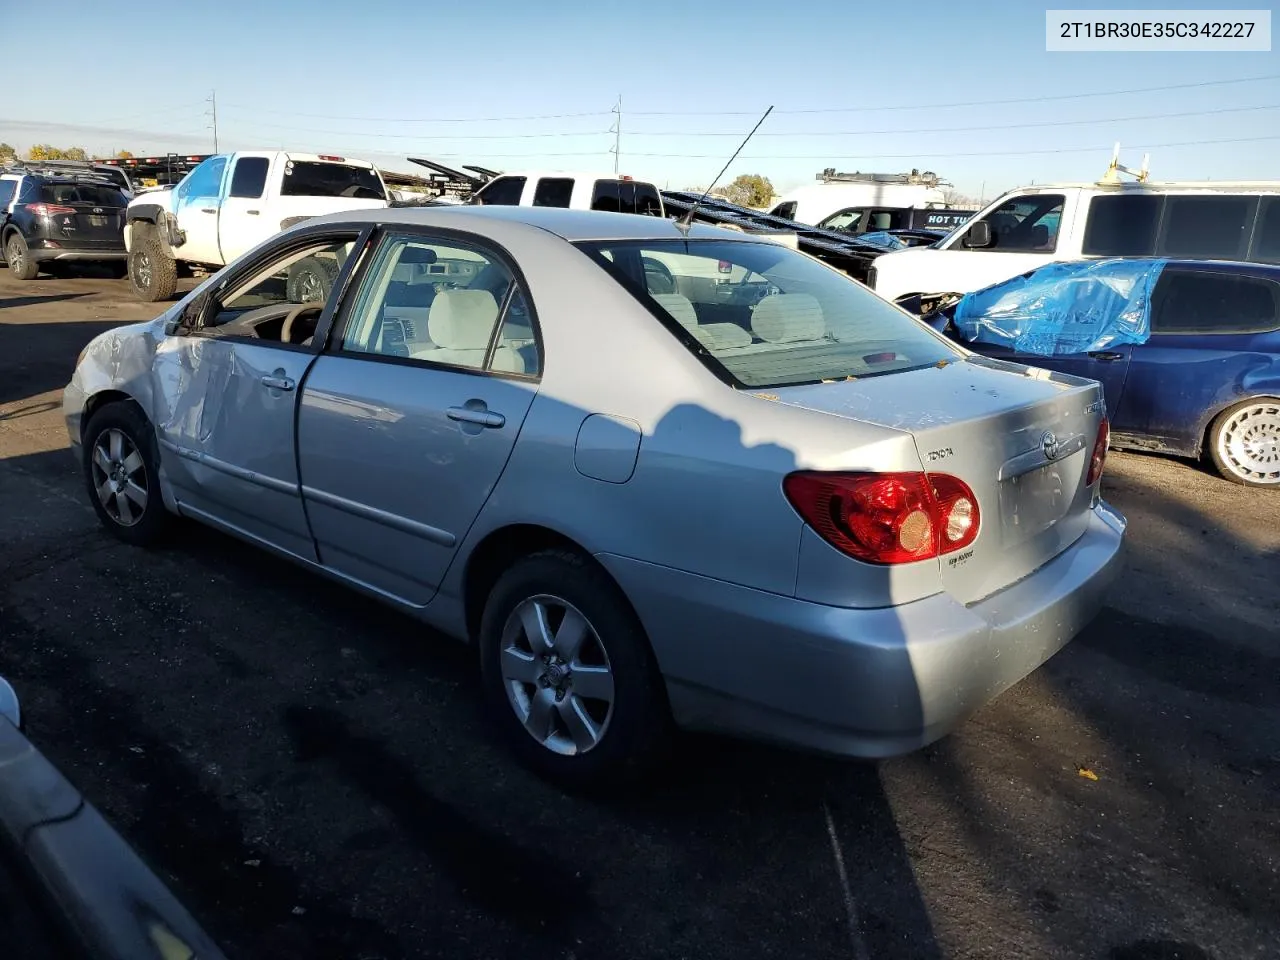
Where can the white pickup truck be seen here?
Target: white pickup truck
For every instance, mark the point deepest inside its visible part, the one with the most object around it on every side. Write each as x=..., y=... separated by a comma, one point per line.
x=232, y=202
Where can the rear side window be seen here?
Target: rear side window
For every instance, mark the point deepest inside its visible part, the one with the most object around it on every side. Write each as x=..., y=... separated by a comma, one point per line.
x=1215, y=227
x=762, y=315
x=1199, y=301
x=308, y=178
x=82, y=193
x=249, y=177
x=1120, y=226
x=553, y=192
x=1266, y=236
x=7, y=190
x=503, y=192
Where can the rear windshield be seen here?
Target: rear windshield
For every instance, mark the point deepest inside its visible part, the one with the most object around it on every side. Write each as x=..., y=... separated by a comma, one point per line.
x=767, y=316
x=89, y=193
x=307, y=178
x=626, y=196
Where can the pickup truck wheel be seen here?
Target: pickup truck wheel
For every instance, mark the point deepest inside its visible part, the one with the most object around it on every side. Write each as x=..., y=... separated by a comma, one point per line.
x=19, y=256
x=152, y=272
x=310, y=280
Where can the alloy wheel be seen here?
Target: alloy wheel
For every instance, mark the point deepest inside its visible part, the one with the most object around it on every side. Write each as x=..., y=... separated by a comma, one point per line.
x=1248, y=443
x=557, y=675
x=120, y=477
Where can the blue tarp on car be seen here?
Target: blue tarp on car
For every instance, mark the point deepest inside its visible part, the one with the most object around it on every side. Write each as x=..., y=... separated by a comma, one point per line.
x=1073, y=307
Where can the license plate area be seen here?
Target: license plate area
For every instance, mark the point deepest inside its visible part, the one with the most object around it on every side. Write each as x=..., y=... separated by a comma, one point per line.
x=96, y=221
x=1034, y=501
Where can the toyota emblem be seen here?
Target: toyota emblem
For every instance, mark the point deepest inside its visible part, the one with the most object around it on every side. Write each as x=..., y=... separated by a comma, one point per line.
x=1049, y=443
x=97, y=209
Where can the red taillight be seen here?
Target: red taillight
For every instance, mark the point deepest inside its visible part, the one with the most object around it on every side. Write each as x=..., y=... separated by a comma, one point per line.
x=50, y=209
x=886, y=517
x=1099, y=453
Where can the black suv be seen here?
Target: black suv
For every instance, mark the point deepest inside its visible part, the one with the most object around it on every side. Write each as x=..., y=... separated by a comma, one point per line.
x=48, y=216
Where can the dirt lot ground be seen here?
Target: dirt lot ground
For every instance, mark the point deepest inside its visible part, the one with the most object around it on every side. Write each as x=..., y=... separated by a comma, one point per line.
x=312, y=773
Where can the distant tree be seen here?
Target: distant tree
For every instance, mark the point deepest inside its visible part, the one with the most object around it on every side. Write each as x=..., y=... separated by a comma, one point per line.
x=7, y=152
x=46, y=151
x=954, y=198
x=124, y=155
x=749, y=190
x=75, y=153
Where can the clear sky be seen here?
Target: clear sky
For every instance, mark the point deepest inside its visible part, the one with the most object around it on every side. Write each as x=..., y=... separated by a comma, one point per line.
x=856, y=85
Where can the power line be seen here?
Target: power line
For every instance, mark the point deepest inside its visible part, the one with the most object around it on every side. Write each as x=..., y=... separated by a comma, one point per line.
x=963, y=103
x=421, y=136
x=967, y=127
x=321, y=116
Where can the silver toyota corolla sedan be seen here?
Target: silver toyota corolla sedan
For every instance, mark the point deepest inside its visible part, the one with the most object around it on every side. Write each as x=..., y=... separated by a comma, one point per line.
x=660, y=476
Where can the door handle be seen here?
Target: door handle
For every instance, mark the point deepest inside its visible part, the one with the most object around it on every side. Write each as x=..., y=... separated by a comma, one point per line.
x=1106, y=355
x=208, y=209
x=277, y=382
x=252, y=213
x=484, y=418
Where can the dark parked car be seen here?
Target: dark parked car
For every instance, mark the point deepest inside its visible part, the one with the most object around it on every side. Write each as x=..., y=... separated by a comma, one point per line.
x=69, y=885
x=1206, y=380
x=49, y=216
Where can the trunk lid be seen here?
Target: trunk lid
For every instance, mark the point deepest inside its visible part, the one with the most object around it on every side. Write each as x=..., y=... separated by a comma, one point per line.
x=992, y=425
x=85, y=211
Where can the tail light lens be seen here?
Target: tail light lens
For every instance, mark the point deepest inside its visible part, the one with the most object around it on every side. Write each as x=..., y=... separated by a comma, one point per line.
x=1100, y=447
x=50, y=209
x=886, y=518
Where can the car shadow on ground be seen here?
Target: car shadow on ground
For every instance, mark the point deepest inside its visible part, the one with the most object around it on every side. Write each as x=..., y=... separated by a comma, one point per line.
x=36, y=371
x=10, y=302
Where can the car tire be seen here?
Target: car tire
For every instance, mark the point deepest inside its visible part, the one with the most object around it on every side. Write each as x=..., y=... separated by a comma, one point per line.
x=18, y=255
x=1244, y=443
x=122, y=474
x=310, y=280
x=578, y=736
x=152, y=272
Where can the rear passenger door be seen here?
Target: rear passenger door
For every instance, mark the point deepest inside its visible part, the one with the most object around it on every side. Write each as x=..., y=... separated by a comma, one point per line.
x=1206, y=331
x=403, y=431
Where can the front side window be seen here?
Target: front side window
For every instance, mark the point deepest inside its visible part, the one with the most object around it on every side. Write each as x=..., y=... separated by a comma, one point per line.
x=1212, y=227
x=786, y=210
x=553, y=192
x=502, y=192
x=443, y=302
x=1026, y=224
x=1122, y=226
x=1266, y=235
x=321, y=178
x=281, y=300
x=1200, y=301
x=204, y=182
x=846, y=220
x=763, y=315
x=249, y=177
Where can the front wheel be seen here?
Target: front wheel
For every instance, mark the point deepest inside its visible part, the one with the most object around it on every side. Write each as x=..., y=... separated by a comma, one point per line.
x=1244, y=443
x=19, y=256
x=569, y=674
x=310, y=280
x=122, y=474
x=152, y=272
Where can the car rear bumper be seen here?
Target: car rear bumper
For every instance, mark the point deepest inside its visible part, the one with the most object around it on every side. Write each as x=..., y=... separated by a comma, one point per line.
x=860, y=682
x=42, y=250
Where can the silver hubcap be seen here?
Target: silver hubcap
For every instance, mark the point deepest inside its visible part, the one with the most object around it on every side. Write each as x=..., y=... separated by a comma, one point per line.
x=308, y=288
x=557, y=675
x=1249, y=443
x=119, y=477
x=144, y=270
x=15, y=256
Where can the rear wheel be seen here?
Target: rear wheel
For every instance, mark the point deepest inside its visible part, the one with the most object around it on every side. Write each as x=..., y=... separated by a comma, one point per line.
x=152, y=272
x=19, y=256
x=568, y=673
x=122, y=474
x=1244, y=443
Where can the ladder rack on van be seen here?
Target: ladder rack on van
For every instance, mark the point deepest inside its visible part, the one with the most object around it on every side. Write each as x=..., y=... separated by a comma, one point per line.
x=927, y=179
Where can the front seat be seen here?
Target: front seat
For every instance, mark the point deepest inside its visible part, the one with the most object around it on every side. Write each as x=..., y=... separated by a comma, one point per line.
x=460, y=325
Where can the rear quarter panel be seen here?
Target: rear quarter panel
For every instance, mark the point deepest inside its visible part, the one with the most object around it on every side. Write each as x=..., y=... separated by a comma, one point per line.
x=1177, y=384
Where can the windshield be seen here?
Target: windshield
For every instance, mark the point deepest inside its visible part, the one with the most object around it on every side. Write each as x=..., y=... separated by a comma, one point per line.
x=318, y=179
x=767, y=316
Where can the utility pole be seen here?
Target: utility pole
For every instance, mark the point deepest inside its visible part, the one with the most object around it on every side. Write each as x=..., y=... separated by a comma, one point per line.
x=213, y=105
x=617, y=134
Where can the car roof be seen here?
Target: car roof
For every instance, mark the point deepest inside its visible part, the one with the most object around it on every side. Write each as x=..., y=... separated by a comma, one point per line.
x=1268, y=270
x=570, y=225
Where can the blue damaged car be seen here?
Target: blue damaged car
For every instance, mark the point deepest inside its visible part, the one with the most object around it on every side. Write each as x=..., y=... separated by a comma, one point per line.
x=1187, y=352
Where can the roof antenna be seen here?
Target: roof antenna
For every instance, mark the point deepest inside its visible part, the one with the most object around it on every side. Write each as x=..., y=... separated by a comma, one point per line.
x=687, y=220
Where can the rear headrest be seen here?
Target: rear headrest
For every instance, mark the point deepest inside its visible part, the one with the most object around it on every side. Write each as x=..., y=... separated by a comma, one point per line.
x=462, y=319
x=680, y=307
x=411, y=254
x=404, y=273
x=788, y=317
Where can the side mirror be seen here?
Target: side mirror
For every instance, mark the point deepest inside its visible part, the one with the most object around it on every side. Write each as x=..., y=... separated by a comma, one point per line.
x=979, y=235
x=9, y=708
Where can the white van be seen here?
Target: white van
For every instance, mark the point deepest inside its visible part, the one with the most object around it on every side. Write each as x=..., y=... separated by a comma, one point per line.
x=842, y=192
x=1027, y=228
x=576, y=191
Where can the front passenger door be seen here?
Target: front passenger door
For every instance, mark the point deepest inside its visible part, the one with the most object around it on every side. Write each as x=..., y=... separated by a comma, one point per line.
x=407, y=420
